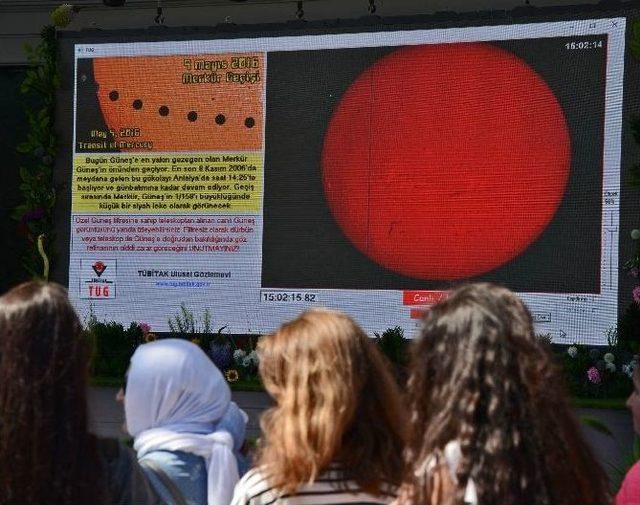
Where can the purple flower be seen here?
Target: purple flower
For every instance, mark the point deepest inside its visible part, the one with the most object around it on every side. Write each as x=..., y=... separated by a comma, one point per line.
x=146, y=328
x=593, y=375
x=636, y=294
x=33, y=215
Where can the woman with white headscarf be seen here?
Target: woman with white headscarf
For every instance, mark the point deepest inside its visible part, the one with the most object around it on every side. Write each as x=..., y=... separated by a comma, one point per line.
x=186, y=429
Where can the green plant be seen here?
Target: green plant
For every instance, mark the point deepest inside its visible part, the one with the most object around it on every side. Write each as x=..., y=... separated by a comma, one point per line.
x=113, y=346
x=630, y=459
x=185, y=323
x=629, y=328
x=62, y=15
x=630, y=456
x=597, y=425
x=545, y=338
x=218, y=345
x=634, y=45
x=596, y=373
x=35, y=213
x=246, y=361
x=393, y=345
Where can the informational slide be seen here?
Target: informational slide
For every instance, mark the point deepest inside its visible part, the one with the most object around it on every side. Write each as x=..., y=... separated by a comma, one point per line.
x=368, y=172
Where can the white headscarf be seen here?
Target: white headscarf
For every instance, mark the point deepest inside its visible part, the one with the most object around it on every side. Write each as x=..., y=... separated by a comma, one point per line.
x=175, y=395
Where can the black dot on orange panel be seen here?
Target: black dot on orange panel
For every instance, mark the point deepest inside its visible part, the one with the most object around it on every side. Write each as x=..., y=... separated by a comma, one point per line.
x=249, y=122
x=163, y=111
x=192, y=116
x=137, y=104
x=114, y=95
x=220, y=119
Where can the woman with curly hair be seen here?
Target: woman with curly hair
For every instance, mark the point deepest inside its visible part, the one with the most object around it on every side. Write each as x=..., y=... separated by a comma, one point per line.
x=47, y=455
x=334, y=435
x=490, y=420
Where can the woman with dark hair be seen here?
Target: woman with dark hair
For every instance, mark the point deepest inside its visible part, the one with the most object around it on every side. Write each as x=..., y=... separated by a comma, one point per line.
x=47, y=455
x=490, y=420
x=335, y=434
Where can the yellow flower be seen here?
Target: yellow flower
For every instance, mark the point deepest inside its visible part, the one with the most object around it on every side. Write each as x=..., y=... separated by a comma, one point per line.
x=232, y=375
x=150, y=337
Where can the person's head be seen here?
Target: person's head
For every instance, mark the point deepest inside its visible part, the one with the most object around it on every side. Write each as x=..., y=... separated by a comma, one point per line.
x=633, y=402
x=481, y=377
x=47, y=454
x=172, y=383
x=336, y=402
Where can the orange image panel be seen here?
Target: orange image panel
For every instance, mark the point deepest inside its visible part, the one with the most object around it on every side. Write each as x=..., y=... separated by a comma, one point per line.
x=183, y=103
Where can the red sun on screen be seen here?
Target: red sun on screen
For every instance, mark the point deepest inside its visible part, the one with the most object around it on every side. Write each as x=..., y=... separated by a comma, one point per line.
x=446, y=161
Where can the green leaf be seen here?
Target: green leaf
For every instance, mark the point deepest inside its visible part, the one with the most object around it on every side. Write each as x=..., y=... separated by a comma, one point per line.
x=634, y=45
x=597, y=425
x=18, y=212
x=23, y=148
x=24, y=174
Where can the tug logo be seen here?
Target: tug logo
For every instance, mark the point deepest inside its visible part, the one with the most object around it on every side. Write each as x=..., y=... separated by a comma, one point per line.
x=99, y=267
x=98, y=279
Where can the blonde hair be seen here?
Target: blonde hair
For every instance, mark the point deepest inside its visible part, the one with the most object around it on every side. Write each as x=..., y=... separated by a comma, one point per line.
x=336, y=402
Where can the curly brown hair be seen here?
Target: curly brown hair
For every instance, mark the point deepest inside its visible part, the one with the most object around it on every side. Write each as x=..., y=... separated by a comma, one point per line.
x=336, y=402
x=481, y=377
x=46, y=452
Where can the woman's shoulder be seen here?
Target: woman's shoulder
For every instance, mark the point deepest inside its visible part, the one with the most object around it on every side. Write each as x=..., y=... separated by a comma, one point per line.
x=629, y=493
x=330, y=487
x=125, y=480
x=252, y=482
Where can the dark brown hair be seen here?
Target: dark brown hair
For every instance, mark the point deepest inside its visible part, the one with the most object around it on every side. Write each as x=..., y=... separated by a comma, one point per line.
x=480, y=376
x=46, y=453
x=336, y=402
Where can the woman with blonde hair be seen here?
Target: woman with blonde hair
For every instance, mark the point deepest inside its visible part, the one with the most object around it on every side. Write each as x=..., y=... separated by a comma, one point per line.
x=490, y=420
x=334, y=435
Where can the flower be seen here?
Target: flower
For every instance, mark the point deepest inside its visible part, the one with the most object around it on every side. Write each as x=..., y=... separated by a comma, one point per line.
x=636, y=294
x=609, y=357
x=572, y=351
x=593, y=375
x=611, y=367
x=145, y=328
x=150, y=337
x=253, y=356
x=238, y=355
x=246, y=361
x=634, y=272
x=232, y=375
x=635, y=234
x=629, y=368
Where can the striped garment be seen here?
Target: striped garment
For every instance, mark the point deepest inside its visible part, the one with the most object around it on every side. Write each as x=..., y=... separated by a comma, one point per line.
x=330, y=488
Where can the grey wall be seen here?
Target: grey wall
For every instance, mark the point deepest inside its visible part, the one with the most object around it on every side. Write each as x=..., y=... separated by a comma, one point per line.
x=21, y=20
